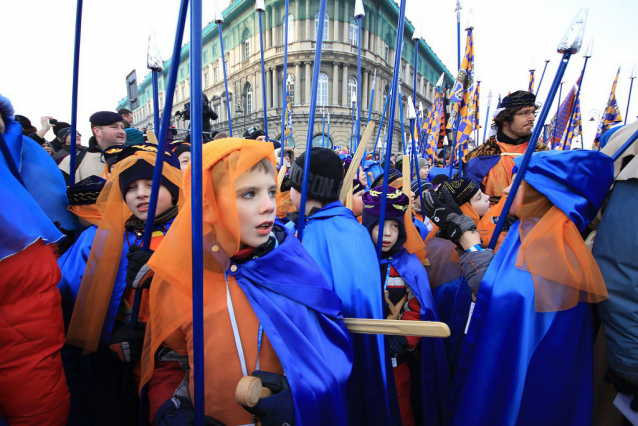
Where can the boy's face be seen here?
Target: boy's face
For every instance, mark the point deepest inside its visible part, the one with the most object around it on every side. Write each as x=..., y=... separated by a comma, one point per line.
x=357, y=204
x=295, y=197
x=138, y=195
x=184, y=160
x=255, y=196
x=481, y=203
x=390, y=235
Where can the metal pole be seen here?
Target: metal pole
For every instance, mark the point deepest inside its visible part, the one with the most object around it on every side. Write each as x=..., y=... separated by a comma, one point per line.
x=631, y=85
x=285, y=79
x=538, y=89
x=311, y=121
x=263, y=76
x=487, y=115
x=221, y=42
x=156, y=117
x=359, y=86
x=74, y=99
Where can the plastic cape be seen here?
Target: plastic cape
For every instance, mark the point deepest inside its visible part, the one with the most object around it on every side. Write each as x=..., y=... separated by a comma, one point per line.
x=96, y=294
x=435, y=373
x=517, y=365
x=614, y=250
x=302, y=318
x=435, y=171
x=343, y=249
x=299, y=313
x=25, y=221
x=87, y=212
x=284, y=204
x=487, y=224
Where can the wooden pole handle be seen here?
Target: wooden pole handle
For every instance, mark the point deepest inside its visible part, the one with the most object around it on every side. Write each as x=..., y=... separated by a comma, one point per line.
x=249, y=391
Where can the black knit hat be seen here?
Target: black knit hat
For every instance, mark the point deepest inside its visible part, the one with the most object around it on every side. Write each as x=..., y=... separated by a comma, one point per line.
x=393, y=175
x=104, y=118
x=86, y=191
x=325, y=176
x=462, y=189
x=357, y=186
x=520, y=98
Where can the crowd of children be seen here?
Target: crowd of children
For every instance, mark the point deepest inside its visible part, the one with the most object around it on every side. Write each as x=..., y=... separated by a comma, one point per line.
x=106, y=336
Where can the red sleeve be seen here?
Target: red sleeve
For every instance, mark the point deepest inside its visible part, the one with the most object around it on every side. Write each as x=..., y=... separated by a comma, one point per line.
x=412, y=312
x=166, y=378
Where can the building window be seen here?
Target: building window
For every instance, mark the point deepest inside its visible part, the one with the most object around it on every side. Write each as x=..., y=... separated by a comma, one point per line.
x=386, y=52
x=322, y=141
x=215, y=75
x=205, y=56
x=322, y=92
x=290, y=81
x=246, y=44
x=248, y=92
x=353, y=35
x=352, y=90
x=325, y=26
x=215, y=50
x=205, y=79
x=177, y=95
x=184, y=92
x=385, y=94
x=291, y=29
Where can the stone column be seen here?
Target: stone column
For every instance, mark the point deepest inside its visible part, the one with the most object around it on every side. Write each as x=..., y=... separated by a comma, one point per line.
x=268, y=89
x=297, y=83
x=308, y=69
x=364, y=89
x=344, y=92
x=275, y=88
x=335, y=84
x=309, y=22
x=335, y=36
x=297, y=22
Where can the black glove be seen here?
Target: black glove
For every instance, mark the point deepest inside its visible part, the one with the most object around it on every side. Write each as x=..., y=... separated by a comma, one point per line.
x=127, y=343
x=179, y=412
x=277, y=409
x=137, y=273
x=447, y=215
x=397, y=345
x=624, y=383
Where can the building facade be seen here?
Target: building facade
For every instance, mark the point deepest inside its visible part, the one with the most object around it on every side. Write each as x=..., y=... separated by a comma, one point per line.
x=337, y=84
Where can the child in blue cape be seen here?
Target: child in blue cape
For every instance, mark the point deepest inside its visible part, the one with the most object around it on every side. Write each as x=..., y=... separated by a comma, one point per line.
x=407, y=296
x=527, y=358
x=343, y=250
x=98, y=282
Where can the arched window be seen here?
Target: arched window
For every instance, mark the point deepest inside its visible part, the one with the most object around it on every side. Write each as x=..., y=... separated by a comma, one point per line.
x=322, y=141
x=352, y=90
x=248, y=95
x=291, y=29
x=353, y=34
x=325, y=26
x=246, y=44
x=290, y=81
x=322, y=91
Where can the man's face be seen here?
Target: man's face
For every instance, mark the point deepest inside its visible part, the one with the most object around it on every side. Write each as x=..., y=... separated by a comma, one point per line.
x=109, y=135
x=522, y=123
x=78, y=139
x=128, y=117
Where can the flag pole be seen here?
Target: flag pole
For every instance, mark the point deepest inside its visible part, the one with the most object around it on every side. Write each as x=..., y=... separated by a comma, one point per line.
x=219, y=19
x=374, y=83
x=487, y=115
x=260, y=7
x=569, y=45
x=394, y=88
x=412, y=118
x=538, y=89
x=385, y=107
x=532, y=70
x=458, y=31
x=154, y=63
x=560, y=92
x=359, y=14
x=631, y=85
x=301, y=223
x=161, y=147
x=285, y=78
x=74, y=99
x=323, y=127
x=588, y=54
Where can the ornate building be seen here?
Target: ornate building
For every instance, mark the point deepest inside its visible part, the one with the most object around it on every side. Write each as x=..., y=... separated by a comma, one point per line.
x=337, y=81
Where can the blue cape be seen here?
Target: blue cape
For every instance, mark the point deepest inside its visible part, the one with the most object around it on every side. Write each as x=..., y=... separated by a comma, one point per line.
x=302, y=317
x=25, y=218
x=342, y=248
x=519, y=366
x=435, y=376
x=479, y=167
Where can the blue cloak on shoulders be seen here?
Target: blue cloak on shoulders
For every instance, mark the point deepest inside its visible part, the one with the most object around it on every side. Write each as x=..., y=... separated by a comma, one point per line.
x=342, y=248
x=435, y=373
x=302, y=317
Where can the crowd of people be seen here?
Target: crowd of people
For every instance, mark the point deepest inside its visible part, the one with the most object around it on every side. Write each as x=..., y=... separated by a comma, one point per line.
x=97, y=315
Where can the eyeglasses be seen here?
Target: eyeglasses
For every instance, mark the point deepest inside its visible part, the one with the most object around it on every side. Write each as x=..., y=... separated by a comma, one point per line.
x=527, y=113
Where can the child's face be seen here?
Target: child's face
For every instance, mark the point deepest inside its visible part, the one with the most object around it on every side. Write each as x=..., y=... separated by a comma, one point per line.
x=255, y=196
x=184, y=160
x=295, y=197
x=481, y=203
x=390, y=235
x=357, y=203
x=138, y=195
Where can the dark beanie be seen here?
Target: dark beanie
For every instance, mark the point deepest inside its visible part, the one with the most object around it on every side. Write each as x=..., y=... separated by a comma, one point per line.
x=86, y=191
x=518, y=99
x=182, y=148
x=438, y=179
x=425, y=185
x=104, y=118
x=357, y=186
x=59, y=126
x=324, y=178
x=462, y=189
x=394, y=174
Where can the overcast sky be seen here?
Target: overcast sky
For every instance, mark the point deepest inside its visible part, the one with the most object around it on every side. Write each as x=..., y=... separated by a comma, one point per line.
x=38, y=37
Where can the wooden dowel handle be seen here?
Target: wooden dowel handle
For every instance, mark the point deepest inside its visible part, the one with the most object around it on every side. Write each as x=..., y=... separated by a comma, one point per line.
x=249, y=391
